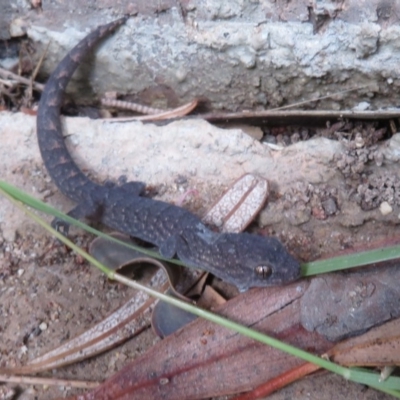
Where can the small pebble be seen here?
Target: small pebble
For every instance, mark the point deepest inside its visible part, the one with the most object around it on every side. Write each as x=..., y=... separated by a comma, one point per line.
x=270, y=139
x=17, y=28
x=385, y=208
x=329, y=206
x=362, y=106
x=43, y=326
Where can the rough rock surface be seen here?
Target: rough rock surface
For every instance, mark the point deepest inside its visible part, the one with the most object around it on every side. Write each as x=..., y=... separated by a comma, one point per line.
x=236, y=56
x=206, y=156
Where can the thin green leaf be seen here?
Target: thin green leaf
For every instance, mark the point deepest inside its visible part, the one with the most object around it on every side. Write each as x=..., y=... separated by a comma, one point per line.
x=350, y=261
x=366, y=377
x=357, y=375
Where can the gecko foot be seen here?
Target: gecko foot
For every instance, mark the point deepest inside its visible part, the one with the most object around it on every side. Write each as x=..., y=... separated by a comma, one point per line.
x=60, y=226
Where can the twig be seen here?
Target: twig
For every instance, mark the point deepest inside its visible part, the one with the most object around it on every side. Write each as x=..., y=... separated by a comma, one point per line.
x=34, y=380
x=35, y=72
x=299, y=115
x=300, y=103
x=10, y=75
x=279, y=382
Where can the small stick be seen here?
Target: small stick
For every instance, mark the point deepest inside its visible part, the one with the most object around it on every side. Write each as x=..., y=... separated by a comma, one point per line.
x=300, y=103
x=35, y=72
x=34, y=380
x=10, y=75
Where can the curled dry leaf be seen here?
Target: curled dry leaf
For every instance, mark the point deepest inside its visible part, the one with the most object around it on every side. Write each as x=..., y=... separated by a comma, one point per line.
x=169, y=114
x=378, y=347
x=167, y=319
x=236, y=209
x=205, y=360
x=128, y=105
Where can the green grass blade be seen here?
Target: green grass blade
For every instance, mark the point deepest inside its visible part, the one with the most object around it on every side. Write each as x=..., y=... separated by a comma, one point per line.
x=390, y=386
x=351, y=260
x=364, y=376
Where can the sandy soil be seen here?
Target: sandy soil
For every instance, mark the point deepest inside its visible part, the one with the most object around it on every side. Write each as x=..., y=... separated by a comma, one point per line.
x=49, y=294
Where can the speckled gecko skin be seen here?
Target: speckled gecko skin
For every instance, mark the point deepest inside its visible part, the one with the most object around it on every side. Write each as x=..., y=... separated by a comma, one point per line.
x=245, y=260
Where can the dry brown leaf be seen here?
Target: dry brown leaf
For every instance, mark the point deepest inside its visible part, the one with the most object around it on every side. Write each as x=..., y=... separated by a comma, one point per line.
x=175, y=113
x=378, y=347
x=236, y=209
x=204, y=360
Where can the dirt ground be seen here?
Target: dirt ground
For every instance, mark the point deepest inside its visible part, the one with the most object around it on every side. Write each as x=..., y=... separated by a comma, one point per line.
x=49, y=294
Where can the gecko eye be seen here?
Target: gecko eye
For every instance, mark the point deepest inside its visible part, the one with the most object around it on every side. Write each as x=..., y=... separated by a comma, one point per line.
x=263, y=271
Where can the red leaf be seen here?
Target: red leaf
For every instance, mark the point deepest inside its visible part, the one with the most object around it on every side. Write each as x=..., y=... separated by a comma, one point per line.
x=204, y=360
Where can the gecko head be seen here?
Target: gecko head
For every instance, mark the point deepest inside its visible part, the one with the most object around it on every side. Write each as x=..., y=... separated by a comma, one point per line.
x=257, y=261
